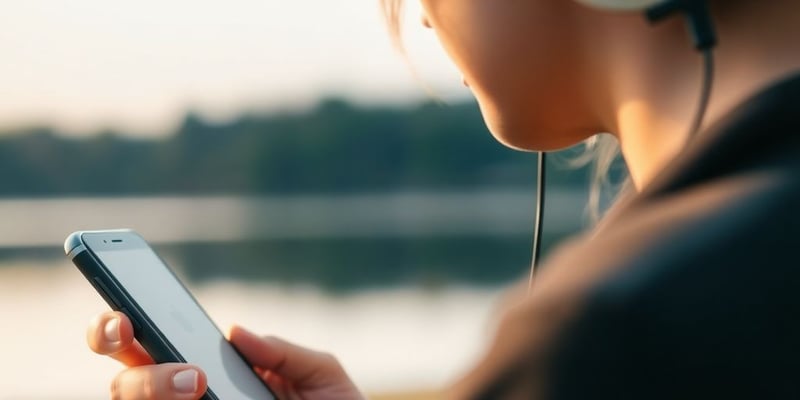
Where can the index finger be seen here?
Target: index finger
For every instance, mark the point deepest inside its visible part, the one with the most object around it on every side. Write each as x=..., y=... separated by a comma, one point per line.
x=302, y=366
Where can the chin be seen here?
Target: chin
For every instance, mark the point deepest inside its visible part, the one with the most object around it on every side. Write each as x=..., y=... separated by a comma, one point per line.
x=530, y=132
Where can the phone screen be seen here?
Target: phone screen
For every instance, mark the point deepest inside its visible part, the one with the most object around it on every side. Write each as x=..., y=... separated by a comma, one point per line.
x=175, y=313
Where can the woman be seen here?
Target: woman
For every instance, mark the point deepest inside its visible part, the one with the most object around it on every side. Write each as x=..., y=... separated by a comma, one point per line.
x=688, y=288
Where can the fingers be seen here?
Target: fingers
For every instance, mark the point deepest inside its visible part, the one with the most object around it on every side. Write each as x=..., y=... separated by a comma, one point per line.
x=304, y=367
x=162, y=382
x=111, y=334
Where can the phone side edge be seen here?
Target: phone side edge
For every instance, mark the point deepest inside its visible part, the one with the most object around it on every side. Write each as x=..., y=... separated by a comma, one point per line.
x=118, y=299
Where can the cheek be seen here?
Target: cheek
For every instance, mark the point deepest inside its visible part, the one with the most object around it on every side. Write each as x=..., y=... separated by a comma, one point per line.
x=518, y=62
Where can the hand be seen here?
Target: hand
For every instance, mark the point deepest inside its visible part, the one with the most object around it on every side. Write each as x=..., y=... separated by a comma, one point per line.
x=292, y=372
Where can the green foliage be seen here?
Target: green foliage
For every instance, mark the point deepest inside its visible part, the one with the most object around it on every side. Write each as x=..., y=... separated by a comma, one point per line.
x=336, y=147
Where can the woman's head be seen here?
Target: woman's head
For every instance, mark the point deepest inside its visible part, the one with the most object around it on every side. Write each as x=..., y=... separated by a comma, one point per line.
x=532, y=64
x=550, y=73
x=522, y=61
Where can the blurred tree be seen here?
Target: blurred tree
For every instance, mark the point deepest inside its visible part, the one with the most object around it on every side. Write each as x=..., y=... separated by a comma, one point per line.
x=335, y=147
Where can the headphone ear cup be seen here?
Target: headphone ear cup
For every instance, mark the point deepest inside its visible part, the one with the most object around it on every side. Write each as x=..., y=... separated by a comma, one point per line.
x=621, y=5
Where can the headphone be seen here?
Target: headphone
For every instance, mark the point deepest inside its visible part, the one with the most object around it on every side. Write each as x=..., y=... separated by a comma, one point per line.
x=701, y=28
x=698, y=17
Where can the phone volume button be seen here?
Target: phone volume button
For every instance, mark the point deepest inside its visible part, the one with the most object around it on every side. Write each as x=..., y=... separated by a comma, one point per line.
x=106, y=292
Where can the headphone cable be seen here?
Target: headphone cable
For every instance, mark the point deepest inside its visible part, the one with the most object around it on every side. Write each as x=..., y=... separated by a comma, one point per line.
x=541, y=173
x=705, y=92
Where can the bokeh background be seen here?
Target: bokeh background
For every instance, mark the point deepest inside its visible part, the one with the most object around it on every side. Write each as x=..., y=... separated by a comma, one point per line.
x=283, y=158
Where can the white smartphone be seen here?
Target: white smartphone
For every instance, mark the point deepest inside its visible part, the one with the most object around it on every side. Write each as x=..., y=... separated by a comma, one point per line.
x=167, y=320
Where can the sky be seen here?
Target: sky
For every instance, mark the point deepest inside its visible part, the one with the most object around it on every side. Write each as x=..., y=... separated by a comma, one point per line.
x=139, y=66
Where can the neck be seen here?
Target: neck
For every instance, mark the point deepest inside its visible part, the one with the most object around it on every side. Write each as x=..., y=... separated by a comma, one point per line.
x=657, y=91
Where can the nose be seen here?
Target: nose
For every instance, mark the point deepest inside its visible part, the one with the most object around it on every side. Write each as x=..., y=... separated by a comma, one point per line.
x=425, y=21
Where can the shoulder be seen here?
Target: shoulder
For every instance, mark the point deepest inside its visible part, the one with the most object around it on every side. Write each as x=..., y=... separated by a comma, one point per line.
x=672, y=286
x=702, y=310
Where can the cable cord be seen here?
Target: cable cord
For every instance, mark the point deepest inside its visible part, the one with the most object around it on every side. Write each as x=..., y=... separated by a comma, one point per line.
x=705, y=93
x=537, y=226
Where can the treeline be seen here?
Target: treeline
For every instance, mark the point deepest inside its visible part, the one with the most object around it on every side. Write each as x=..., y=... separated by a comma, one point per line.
x=335, y=147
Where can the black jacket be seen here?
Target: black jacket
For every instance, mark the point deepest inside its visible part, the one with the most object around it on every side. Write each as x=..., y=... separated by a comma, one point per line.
x=688, y=290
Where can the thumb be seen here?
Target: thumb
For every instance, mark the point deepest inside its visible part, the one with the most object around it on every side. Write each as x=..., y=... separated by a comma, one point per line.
x=301, y=366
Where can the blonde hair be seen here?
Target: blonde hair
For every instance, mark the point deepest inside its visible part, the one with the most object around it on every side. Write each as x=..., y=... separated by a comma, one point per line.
x=601, y=150
x=393, y=12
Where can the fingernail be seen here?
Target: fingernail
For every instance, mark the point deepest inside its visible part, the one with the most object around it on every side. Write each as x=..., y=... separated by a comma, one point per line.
x=111, y=330
x=229, y=332
x=185, y=381
x=238, y=330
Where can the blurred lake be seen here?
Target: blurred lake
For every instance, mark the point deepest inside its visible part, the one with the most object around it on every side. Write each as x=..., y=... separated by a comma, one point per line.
x=401, y=286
